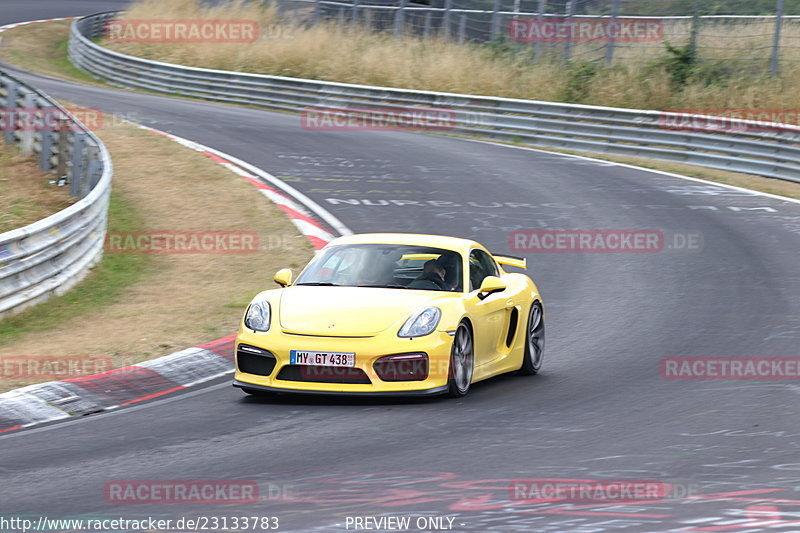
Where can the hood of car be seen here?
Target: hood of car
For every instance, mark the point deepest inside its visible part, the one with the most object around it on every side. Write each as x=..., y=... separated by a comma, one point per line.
x=348, y=311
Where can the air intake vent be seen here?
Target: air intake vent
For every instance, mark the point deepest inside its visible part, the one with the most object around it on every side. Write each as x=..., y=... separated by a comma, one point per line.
x=323, y=374
x=254, y=360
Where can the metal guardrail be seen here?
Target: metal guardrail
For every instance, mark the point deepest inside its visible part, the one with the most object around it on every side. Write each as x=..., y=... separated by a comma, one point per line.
x=51, y=255
x=629, y=132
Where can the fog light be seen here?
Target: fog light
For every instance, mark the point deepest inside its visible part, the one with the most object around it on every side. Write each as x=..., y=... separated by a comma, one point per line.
x=402, y=367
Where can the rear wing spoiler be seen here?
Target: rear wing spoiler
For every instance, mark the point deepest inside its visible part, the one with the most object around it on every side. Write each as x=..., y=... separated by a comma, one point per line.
x=510, y=260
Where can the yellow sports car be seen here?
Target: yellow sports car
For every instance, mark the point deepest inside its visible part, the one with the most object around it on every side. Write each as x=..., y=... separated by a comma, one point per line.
x=392, y=314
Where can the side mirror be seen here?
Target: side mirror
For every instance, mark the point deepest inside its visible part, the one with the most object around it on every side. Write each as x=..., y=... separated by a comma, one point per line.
x=490, y=285
x=283, y=277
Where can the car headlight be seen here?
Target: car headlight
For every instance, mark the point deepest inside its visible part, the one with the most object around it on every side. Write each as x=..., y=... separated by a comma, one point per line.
x=258, y=316
x=421, y=323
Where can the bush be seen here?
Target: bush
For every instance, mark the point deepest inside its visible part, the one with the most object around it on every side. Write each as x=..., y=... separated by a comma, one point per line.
x=579, y=80
x=679, y=64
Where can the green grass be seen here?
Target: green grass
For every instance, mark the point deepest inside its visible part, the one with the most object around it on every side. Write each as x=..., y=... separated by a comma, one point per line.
x=101, y=288
x=63, y=65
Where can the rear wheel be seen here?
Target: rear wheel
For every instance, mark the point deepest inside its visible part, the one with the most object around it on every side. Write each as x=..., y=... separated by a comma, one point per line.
x=461, y=362
x=534, y=342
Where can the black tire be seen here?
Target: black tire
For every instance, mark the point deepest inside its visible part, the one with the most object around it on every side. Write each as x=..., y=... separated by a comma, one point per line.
x=534, y=342
x=462, y=362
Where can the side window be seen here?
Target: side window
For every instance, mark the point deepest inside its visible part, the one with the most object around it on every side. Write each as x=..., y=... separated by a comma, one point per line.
x=480, y=266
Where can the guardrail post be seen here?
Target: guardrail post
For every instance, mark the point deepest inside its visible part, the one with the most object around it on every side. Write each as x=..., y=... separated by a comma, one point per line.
x=448, y=6
x=63, y=143
x=495, y=19
x=317, y=9
x=568, y=22
x=537, y=47
x=99, y=26
x=28, y=127
x=95, y=169
x=5, y=123
x=354, y=12
x=9, y=119
x=10, y=114
x=462, y=29
x=428, y=21
x=47, y=150
x=5, y=83
x=695, y=29
x=76, y=171
x=611, y=38
x=776, y=42
x=368, y=18
x=399, y=18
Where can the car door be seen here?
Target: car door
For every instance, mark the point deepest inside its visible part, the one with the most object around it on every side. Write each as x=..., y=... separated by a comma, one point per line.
x=489, y=314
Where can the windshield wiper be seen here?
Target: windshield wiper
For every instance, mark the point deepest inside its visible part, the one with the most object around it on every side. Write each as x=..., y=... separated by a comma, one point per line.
x=319, y=284
x=383, y=285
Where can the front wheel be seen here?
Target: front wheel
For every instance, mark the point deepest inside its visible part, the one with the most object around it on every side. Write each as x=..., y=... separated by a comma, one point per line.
x=461, y=362
x=534, y=342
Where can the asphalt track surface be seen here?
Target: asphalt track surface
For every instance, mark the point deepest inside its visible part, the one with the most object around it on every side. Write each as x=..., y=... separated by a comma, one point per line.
x=599, y=410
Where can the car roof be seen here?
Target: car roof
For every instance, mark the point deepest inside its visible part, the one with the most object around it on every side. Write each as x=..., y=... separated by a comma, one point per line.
x=416, y=239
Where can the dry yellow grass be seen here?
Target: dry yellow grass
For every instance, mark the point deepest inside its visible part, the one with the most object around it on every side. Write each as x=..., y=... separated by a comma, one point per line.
x=26, y=194
x=335, y=52
x=341, y=53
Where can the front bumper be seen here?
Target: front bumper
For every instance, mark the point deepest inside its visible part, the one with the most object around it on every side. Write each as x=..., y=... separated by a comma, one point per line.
x=371, y=394
x=279, y=344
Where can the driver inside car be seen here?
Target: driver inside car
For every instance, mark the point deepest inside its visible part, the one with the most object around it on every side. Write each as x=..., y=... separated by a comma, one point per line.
x=432, y=277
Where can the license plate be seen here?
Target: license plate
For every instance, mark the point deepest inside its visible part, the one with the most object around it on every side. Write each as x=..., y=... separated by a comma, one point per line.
x=342, y=359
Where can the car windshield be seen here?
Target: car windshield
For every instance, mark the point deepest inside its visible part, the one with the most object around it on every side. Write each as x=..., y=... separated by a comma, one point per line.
x=385, y=265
